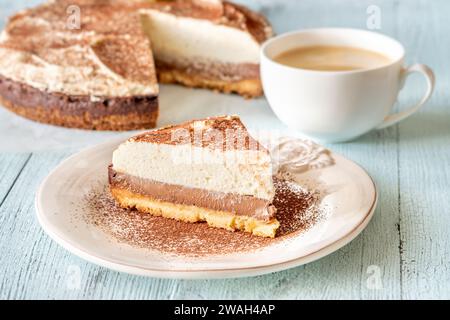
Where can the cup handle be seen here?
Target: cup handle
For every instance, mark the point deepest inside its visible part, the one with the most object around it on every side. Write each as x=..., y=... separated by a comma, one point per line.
x=429, y=76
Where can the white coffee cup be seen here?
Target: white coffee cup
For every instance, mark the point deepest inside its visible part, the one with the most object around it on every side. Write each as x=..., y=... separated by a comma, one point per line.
x=333, y=106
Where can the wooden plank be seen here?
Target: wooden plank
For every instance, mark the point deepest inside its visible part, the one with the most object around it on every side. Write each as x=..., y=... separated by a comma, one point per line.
x=10, y=167
x=26, y=251
x=424, y=158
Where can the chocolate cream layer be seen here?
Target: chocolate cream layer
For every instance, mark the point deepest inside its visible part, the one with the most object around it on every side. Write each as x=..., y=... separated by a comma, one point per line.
x=237, y=204
x=77, y=105
x=229, y=72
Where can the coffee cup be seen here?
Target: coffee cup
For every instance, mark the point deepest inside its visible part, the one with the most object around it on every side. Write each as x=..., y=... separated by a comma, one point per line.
x=338, y=105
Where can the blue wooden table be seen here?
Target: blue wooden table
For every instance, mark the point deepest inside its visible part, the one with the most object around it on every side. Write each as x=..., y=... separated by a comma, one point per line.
x=403, y=254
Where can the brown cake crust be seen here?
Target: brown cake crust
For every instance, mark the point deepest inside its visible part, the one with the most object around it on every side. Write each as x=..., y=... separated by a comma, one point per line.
x=191, y=214
x=248, y=88
x=83, y=112
x=242, y=78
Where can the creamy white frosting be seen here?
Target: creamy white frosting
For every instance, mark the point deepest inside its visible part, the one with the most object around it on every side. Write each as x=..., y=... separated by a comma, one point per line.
x=190, y=38
x=291, y=156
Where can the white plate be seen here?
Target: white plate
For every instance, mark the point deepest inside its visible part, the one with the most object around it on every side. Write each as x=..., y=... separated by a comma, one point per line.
x=350, y=201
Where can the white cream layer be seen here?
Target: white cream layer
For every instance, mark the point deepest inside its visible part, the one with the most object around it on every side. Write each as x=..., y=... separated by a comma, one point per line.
x=187, y=38
x=245, y=172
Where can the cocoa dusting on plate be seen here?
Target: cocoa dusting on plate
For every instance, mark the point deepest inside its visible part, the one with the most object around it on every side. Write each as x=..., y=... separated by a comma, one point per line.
x=297, y=212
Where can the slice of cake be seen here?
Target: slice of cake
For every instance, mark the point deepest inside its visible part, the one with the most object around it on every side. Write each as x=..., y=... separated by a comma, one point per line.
x=208, y=170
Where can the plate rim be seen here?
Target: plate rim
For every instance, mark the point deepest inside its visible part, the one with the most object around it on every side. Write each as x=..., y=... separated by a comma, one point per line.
x=196, y=273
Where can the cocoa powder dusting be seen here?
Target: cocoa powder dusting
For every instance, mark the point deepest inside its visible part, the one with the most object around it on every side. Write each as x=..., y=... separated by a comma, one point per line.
x=297, y=211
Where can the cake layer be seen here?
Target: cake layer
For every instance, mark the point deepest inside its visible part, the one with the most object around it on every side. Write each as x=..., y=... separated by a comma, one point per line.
x=248, y=88
x=236, y=204
x=85, y=112
x=240, y=78
x=238, y=172
x=189, y=213
x=209, y=69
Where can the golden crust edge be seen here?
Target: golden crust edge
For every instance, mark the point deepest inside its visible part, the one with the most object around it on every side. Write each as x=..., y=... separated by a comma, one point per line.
x=192, y=214
x=109, y=122
x=248, y=88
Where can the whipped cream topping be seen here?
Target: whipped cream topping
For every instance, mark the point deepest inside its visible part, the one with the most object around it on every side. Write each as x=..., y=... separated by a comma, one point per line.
x=292, y=156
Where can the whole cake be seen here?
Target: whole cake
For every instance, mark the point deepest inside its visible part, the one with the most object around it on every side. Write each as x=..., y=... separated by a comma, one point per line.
x=94, y=64
x=208, y=170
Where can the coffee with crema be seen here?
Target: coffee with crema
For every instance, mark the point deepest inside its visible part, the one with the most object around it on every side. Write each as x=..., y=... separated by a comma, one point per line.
x=332, y=58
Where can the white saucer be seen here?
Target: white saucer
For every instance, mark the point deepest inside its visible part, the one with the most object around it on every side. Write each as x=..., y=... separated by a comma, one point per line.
x=350, y=201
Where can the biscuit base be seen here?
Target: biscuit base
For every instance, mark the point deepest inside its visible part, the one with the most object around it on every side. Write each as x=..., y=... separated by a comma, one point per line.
x=248, y=88
x=190, y=213
x=53, y=116
x=79, y=111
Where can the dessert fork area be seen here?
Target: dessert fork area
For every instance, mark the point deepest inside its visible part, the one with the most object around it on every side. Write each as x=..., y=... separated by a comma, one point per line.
x=404, y=253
